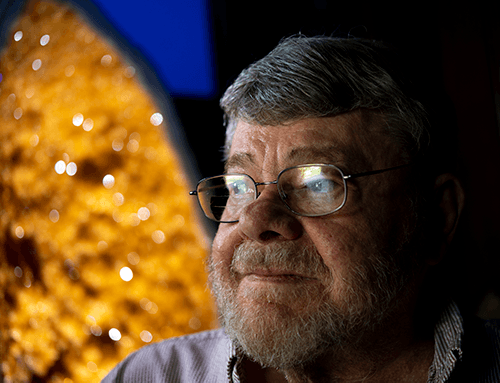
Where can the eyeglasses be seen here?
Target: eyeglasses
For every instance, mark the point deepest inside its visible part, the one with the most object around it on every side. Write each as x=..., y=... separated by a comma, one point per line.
x=310, y=190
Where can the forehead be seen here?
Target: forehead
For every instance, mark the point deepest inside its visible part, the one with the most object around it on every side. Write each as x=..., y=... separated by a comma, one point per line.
x=357, y=139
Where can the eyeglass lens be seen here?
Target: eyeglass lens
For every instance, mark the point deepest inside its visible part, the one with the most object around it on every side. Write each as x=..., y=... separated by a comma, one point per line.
x=308, y=190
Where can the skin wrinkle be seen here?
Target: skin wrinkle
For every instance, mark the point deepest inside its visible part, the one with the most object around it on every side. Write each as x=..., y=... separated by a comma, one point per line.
x=361, y=294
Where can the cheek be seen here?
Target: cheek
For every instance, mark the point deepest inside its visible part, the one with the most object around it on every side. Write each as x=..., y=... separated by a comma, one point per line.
x=225, y=241
x=344, y=243
x=335, y=244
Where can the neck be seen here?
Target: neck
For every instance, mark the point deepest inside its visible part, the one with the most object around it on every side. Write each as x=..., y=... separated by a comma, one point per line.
x=402, y=354
x=408, y=365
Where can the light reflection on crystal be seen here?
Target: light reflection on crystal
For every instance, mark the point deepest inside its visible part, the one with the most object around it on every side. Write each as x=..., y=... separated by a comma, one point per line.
x=117, y=145
x=158, y=236
x=117, y=216
x=118, y=199
x=143, y=302
x=44, y=40
x=19, y=232
x=152, y=307
x=96, y=330
x=88, y=124
x=18, y=35
x=30, y=92
x=148, y=306
x=78, y=119
x=37, y=64
x=54, y=215
x=133, y=146
x=60, y=167
x=195, y=323
x=143, y=213
x=71, y=169
x=178, y=220
x=18, y=113
x=129, y=72
x=18, y=272
x=115, y=334
x=156, y=119
x=133, y=258
x=146, y=336
x=126, y=274
x=106, y=60
x=108, y=181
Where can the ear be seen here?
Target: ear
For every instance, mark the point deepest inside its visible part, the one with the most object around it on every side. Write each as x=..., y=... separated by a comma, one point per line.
x=449, y=200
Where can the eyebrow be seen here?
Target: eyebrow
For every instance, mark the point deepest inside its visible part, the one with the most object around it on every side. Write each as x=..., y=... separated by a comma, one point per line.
x=241, y=159
x=329, y=154
x=296, y=156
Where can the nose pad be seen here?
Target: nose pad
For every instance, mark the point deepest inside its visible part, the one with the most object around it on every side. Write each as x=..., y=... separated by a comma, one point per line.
x=268, y=218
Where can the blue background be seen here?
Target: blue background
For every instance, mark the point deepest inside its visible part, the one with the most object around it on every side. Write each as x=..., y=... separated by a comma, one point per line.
x=176, y=38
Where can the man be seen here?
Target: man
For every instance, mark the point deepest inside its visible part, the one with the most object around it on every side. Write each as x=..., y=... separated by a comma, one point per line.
x=337, y=208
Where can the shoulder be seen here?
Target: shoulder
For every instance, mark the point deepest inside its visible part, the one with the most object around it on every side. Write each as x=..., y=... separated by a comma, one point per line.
x=200, y=357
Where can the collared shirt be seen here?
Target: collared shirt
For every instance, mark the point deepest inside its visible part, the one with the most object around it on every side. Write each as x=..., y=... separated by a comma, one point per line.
x=465, y=351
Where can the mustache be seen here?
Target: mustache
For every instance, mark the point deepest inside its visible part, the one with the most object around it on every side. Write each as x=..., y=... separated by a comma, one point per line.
x=287, y=256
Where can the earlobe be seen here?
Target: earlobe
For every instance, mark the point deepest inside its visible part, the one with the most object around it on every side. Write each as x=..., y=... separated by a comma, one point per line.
x=449, y=198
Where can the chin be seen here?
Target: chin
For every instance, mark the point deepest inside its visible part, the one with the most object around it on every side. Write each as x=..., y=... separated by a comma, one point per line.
x=279, y=335
x=290, y=323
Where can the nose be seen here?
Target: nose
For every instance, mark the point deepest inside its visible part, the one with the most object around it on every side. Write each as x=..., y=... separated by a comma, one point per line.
x=267, y=218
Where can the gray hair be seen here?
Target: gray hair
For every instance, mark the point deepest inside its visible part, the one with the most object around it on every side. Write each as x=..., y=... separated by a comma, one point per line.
x=306, y=77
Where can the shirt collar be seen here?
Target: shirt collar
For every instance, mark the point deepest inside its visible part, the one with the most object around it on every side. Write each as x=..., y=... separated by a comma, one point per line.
x=448, y=334
x=234, y=369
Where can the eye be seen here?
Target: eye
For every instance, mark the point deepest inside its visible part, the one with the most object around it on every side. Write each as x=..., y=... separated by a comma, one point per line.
x=238, y=186
x=319, y=185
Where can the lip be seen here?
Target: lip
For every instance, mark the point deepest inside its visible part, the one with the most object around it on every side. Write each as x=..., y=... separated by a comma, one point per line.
x=277, y=276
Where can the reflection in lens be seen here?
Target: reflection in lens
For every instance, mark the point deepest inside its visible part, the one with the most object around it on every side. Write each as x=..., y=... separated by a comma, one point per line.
x=223, y=197
x=312, y=190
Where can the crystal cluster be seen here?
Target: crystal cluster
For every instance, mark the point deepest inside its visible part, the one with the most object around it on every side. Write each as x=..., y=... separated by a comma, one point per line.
x=100, y=249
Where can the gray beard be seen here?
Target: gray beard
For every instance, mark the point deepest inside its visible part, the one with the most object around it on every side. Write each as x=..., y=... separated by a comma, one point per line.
x=287, y=337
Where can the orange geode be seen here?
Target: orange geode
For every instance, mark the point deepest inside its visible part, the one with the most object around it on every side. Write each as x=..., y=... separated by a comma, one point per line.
x=100, y=249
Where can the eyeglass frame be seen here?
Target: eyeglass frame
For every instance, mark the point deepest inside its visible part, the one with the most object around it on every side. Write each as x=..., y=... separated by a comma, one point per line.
x=275, y=182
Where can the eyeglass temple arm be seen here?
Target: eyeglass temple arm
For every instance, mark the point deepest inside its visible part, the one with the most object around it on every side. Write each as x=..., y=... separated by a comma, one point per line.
x=372, y=172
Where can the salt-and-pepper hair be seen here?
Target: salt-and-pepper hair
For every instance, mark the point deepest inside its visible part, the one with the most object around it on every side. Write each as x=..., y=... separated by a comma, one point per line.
x=307, y=77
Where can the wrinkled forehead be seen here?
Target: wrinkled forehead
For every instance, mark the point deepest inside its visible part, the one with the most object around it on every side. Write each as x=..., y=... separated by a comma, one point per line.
x=358, y=139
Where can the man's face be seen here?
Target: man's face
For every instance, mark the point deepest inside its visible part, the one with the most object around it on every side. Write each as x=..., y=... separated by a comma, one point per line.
x=291, y=288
